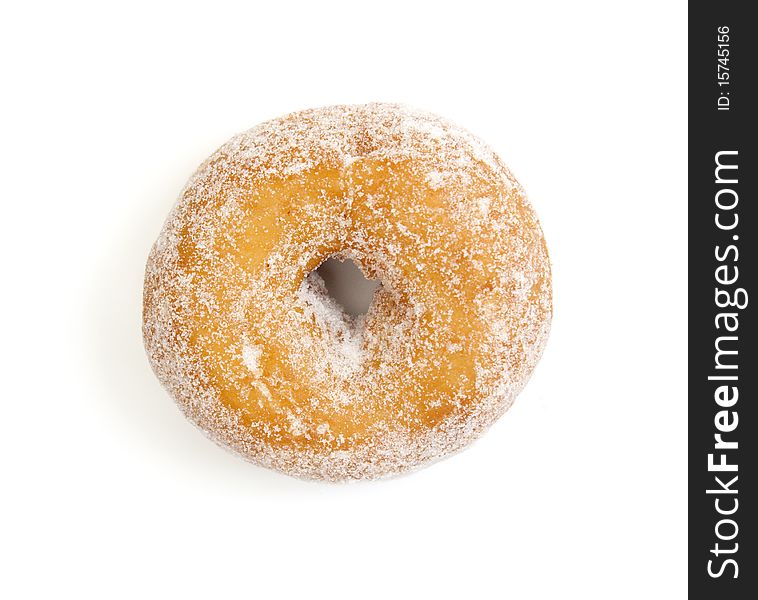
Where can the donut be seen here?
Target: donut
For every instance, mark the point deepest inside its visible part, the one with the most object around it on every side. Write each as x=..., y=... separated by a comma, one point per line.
x=240, y=329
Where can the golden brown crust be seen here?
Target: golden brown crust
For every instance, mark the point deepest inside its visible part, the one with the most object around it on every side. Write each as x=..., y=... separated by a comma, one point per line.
x=260, y=358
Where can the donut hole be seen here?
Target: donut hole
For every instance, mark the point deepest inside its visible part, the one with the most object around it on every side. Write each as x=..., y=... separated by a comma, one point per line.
x=347, y=285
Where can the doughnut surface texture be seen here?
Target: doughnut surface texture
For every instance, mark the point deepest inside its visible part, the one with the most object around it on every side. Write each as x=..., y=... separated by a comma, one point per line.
x=241, y=332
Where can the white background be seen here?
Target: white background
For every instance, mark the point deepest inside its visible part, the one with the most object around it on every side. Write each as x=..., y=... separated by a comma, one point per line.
x=578, y=492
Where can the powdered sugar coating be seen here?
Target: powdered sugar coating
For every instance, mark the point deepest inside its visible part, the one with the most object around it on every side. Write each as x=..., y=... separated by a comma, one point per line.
x=243, y=335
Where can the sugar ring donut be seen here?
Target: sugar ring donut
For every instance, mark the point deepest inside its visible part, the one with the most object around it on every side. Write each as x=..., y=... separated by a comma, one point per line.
x=241, y=332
